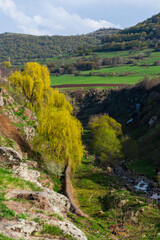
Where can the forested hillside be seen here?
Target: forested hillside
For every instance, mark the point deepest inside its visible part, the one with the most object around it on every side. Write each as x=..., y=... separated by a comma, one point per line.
x=22, y=48
x=145, y=34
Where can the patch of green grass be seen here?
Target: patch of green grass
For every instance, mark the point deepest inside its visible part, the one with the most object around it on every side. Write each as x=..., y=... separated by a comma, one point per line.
x=38, y=220
x=57, y=185
x=22, y=216
x=9, y=180
x=2, y=237
x=40, y=211
x=141, y=166
x=59, y=217
x=54, y=230
x=4, y=211
x=20, y=113
x=6, y=142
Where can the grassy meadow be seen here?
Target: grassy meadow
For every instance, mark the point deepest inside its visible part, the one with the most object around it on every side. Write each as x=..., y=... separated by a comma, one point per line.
x=120, y=74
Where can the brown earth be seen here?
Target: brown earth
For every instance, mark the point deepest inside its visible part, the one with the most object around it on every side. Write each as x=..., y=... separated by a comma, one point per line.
x=9, y=131
x=89, y=85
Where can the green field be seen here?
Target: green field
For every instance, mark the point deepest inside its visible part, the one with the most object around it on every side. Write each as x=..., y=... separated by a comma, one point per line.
x=69, y=79
x=137, y=70
x=122, y=74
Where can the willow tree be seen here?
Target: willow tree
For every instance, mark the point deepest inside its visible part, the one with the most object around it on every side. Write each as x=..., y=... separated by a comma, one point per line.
x=106, y=138
x=58, y=138
x=34, y=82
x=58, y=100
x=16, y=79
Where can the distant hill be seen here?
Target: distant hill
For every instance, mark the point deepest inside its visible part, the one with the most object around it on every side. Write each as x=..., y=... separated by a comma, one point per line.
x=143, y=35
x=22, y=47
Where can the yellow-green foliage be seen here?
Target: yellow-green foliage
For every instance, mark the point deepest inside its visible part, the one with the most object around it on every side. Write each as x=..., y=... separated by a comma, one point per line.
x=58, y=100
x=59, y=137
x=59, y=133
x=106, y=122
x=106, y=138
x=34, y=82
x=6, y=64
x=16, y=79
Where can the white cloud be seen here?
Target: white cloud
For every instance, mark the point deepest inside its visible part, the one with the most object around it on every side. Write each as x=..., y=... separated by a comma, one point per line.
x=55, y=20
x=25, y=23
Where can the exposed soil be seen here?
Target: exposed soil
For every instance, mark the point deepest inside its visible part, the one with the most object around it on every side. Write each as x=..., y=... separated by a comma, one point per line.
x=9, y=131
x=89, y=85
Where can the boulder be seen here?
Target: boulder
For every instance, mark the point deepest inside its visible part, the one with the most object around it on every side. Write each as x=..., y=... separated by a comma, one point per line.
x=1, y=100
x=32, y=164
x=19, y=228
x=60, y=202
x=69, y=228
x=28, y=174
x=10, y=156
x=56, y=202
x=122, y=202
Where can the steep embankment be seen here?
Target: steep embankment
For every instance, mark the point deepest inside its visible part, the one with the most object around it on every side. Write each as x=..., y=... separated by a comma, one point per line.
x=29, y=208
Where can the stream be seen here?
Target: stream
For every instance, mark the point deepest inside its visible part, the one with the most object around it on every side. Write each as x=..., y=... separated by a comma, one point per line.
x=138, y=183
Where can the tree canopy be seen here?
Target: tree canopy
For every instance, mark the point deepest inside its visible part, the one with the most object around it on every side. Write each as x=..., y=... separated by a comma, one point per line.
x=106, y=138
x=58, y=137
x=34, y=82
x=6, y=64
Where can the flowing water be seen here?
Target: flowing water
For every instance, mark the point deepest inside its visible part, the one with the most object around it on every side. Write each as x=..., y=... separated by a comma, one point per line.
x=138, y=183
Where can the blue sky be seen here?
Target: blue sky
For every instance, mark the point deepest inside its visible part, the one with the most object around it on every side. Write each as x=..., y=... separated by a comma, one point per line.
x=69, y=17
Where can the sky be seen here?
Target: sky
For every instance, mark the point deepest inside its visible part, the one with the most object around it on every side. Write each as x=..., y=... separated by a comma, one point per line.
x=72, y=17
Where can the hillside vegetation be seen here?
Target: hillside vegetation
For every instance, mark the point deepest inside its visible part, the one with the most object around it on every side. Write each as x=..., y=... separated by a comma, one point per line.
x=145, y=34
x=22, y=48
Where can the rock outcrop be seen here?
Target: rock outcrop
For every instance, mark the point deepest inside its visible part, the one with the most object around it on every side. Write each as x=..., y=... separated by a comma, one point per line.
x=19, y=228
x=46, y=200
x=30, y=210
x=69, y=228
x=10, y=156
x=1, y=100
x=28, y=174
